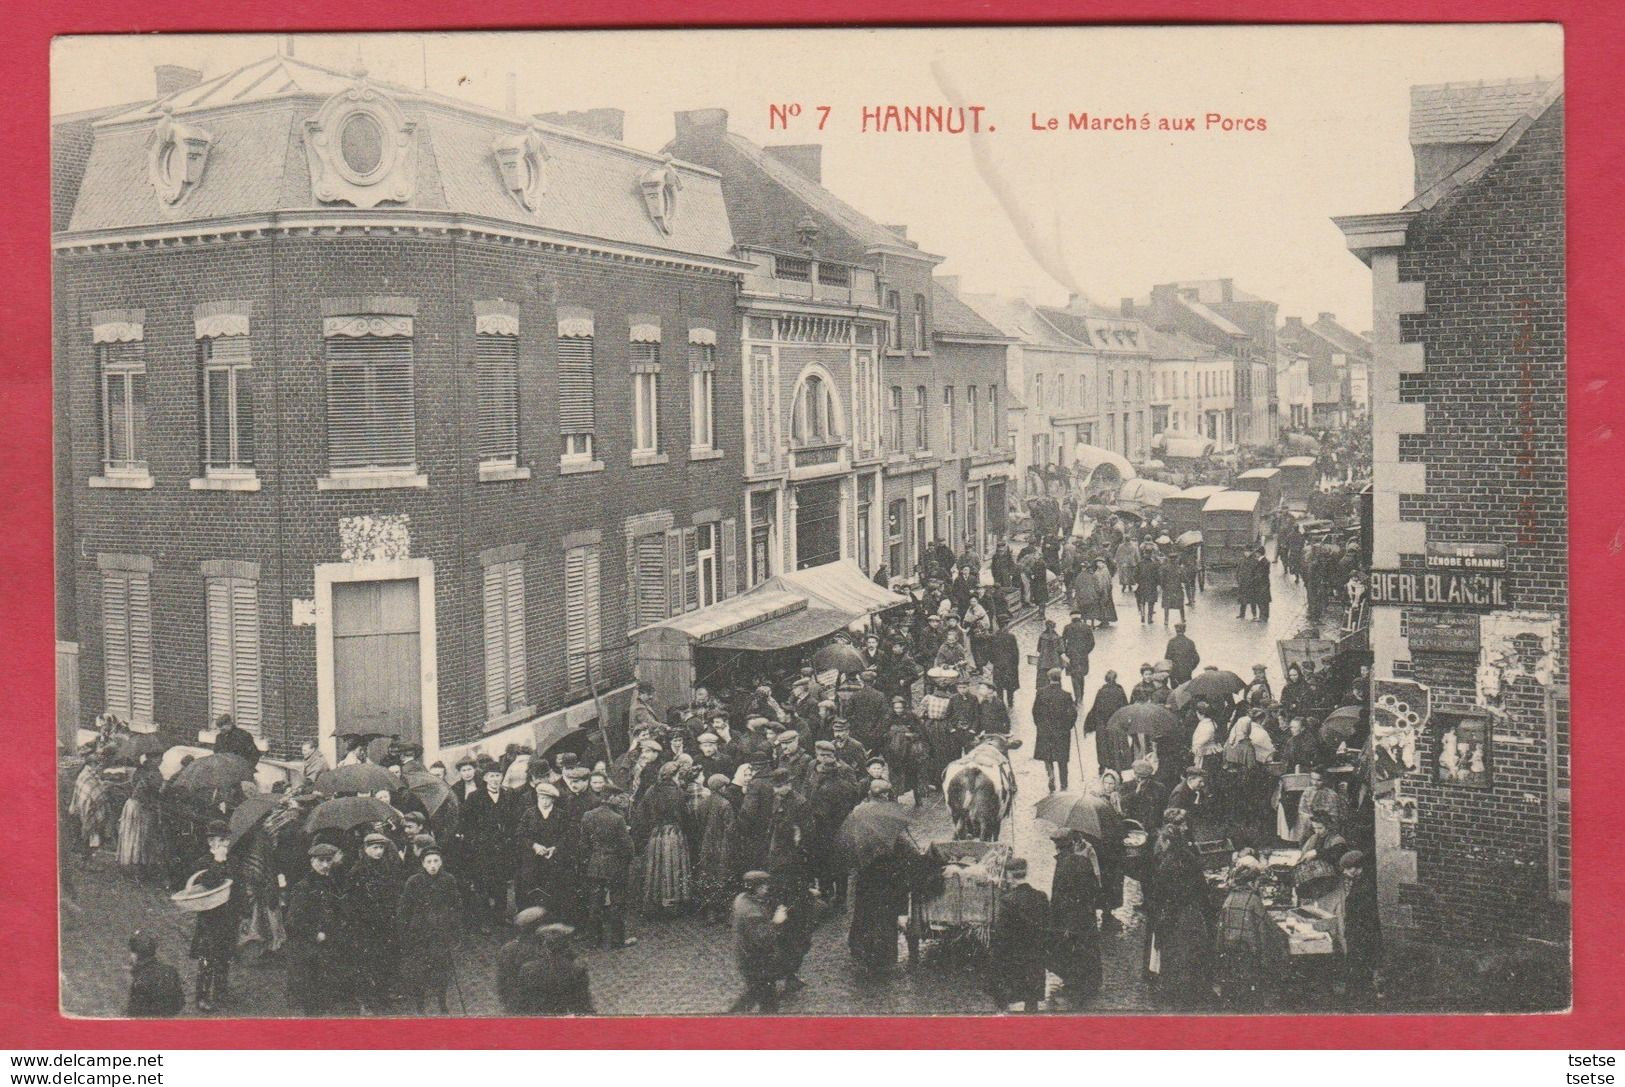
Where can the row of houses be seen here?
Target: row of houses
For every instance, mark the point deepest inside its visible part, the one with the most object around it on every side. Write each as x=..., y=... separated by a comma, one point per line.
x=379, y=411
x=1196, y=365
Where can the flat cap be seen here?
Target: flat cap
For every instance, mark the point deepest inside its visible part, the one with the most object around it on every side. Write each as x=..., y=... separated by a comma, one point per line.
x=323, y=851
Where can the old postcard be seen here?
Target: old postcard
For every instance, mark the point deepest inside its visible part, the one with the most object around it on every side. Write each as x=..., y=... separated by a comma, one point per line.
x=813, y=522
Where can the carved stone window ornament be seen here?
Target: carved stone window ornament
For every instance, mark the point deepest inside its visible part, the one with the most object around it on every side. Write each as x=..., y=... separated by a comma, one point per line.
x=361, y=148
x=660, y=188
x=177, y=157
x=523, y=161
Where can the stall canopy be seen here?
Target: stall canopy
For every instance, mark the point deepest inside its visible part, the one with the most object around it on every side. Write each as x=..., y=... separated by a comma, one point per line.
x=1243, y=501
x=838, y=586
x=1173, y=443
x=1146, y=492
x=785, y=631
x=1101, y=464
x=1298, y=462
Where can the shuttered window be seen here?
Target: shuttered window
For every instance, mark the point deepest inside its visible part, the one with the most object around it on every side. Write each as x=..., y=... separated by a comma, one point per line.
x=702, y=394
x=127, y=645
x=682, y=570
x=645, y=397
x=970, y=415
x=123, y=369
x=583, y=615
x=504, y=598
x=649, y=577
x=496, y=361
x=576, y=415
x=233, y=621
x=228, y=409
x=371, y=421
x=763, y=419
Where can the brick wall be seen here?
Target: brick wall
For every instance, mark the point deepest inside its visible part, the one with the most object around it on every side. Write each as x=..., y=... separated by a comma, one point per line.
x=289, y=525
x=1491, y=261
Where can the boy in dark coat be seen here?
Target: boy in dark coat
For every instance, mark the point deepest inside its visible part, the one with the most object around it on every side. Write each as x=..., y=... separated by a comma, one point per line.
x=315, y=947
x=155, y=986
x=554, y=982
x=1020, y=941
x=606, y=843
x=214, y=940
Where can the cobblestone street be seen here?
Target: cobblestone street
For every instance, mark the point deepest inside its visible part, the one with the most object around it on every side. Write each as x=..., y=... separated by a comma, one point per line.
x=686, y=966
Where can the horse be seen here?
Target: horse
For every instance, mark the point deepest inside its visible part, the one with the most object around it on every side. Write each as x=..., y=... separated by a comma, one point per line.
x=981, y=789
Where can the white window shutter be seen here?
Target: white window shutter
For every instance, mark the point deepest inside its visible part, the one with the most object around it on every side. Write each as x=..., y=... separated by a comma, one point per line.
x=116, y=645
x=730, y=558
x=591, y=563
x=222, y=681
x=650, y=568
x=245, y=654
x=140, y=649
x=514, y=591
x=674, y=571
x=691, y=569
x=496, y=660
x=577, y=616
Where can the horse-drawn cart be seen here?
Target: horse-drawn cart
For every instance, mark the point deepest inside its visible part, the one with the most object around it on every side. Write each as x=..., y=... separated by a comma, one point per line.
x=959, y=904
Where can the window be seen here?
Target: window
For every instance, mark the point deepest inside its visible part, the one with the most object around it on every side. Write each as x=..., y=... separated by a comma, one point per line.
x=702, y=392
x=233, y=621
x=645, y=397
x=950, y=517
x=1111, y=385
x=583, y=625
x=863, y=380
x=866, y=501
x=700, y=567
x=921, y=427
x=762, y=514
x=1139, y=386
x=576, y=411
x=970, y=415
x=919, y=323
x=1038, y=392
x=371, y=415
x=812, y=419
x=894, y=417
x=708, y=547
x=504, y=598
x=764, y=413
x=123, y=369
x=949, y=420
x=649, y=579
x=998, y=420
x=127, y=645
x=228, y=408
x=896, y=554
x=894, y=334
x=496, y=366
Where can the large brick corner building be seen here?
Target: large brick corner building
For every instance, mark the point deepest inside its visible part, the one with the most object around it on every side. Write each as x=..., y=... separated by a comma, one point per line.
x=382, y=412
x=1470, y=585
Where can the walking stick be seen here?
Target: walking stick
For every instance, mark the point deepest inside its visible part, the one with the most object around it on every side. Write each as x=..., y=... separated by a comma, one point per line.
x=1077, y=745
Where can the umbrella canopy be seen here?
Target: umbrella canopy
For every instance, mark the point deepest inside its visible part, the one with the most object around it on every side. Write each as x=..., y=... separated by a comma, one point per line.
x=871, y=831
x=1189, y=539
x=249, y=814
x=357, y=778
x=838, y=657
x=132, y=745
x=1091, y=815
x=346, y=812
x=1146, y=719
x=213, y=772
x=1215, y=684
x=1342, y=723
x=429, y=789
x=1182, y=695
x=1302, y=443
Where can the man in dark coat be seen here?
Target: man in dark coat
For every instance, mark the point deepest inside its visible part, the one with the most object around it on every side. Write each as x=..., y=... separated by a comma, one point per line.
x=758, y=928
x=1055, y=715
x=1077, y=642
x=316, y=945
x=1261, y=584
x=1181, y=653
x=155, y=986
x=832, y=790
x=1113, y=749
x=1075, y=895
x=1004, y=653
x=866, y=712
x=897, y=671
x=486, y=825
x=1172, y=588
x=606, y=845
x=991, y=716
x=963, y=719
x=1020, y=941
x=231, y=740
x=513, y=955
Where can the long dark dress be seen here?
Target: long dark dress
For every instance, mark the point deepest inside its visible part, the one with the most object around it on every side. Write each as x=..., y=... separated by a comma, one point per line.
x=427, y=923
x=657, y=826
x=1182, y=939
x=879, y=897
x=1074, y=949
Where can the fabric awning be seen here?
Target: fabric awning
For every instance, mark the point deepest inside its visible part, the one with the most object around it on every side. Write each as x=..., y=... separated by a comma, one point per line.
x=1146, y=492
x=838, y=586
x=785, y=631
x=735, y=614
x=1093, y=456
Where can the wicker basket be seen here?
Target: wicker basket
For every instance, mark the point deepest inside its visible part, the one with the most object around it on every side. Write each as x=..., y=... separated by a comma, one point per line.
x=195, y=899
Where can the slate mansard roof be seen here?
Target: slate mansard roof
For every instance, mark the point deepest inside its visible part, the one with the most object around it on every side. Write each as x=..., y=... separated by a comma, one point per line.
x=257, y=167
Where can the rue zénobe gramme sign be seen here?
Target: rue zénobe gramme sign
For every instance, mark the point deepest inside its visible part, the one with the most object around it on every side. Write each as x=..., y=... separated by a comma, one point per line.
x=1467, y=576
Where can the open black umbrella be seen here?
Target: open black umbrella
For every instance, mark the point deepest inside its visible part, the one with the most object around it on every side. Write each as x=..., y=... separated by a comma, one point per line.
x=871, y=831
x=432, y=792
x=248, y=815
x=838, y=657
x=220, y=771
x=345, y=812
x=1215, y=684
x=1342, y=723
x=1091, y=815
x=357, y=778
x=1146, y=719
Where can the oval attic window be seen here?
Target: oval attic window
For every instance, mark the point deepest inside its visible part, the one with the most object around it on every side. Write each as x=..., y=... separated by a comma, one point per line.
x=362, y=144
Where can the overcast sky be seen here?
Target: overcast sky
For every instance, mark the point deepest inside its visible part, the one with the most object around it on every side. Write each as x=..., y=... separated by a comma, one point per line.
x=1028, y=212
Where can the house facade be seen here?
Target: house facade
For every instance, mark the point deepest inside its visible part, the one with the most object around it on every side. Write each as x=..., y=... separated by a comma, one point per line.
x=1121, y=420
x=382, y=416
x=1468, y=414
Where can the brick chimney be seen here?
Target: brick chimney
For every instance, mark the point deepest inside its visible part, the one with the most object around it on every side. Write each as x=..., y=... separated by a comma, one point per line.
x=901, y=230
x=606, y=124
x=701, y=124
x=1293, y=325
x=1227, y=290
x=1452, y=123
x=1329, y=318
x=806, y=159
x=1126, y=307
x=170, y=78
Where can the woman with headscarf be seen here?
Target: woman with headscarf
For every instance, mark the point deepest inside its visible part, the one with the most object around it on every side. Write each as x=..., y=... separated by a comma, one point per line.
x=1114, y=749
x=1075, y=895
x=1252, y=950
x=1297, y=695
x=140, y=843
x=1105, y=608
x=657, y=826
x=713, y=875
x=1176, y=900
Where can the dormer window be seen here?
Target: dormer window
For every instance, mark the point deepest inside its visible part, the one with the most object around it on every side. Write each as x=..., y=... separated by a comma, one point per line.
x=361, y=148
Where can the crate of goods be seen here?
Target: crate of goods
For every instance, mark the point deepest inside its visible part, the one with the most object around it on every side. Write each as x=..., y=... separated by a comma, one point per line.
x=972, y=875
